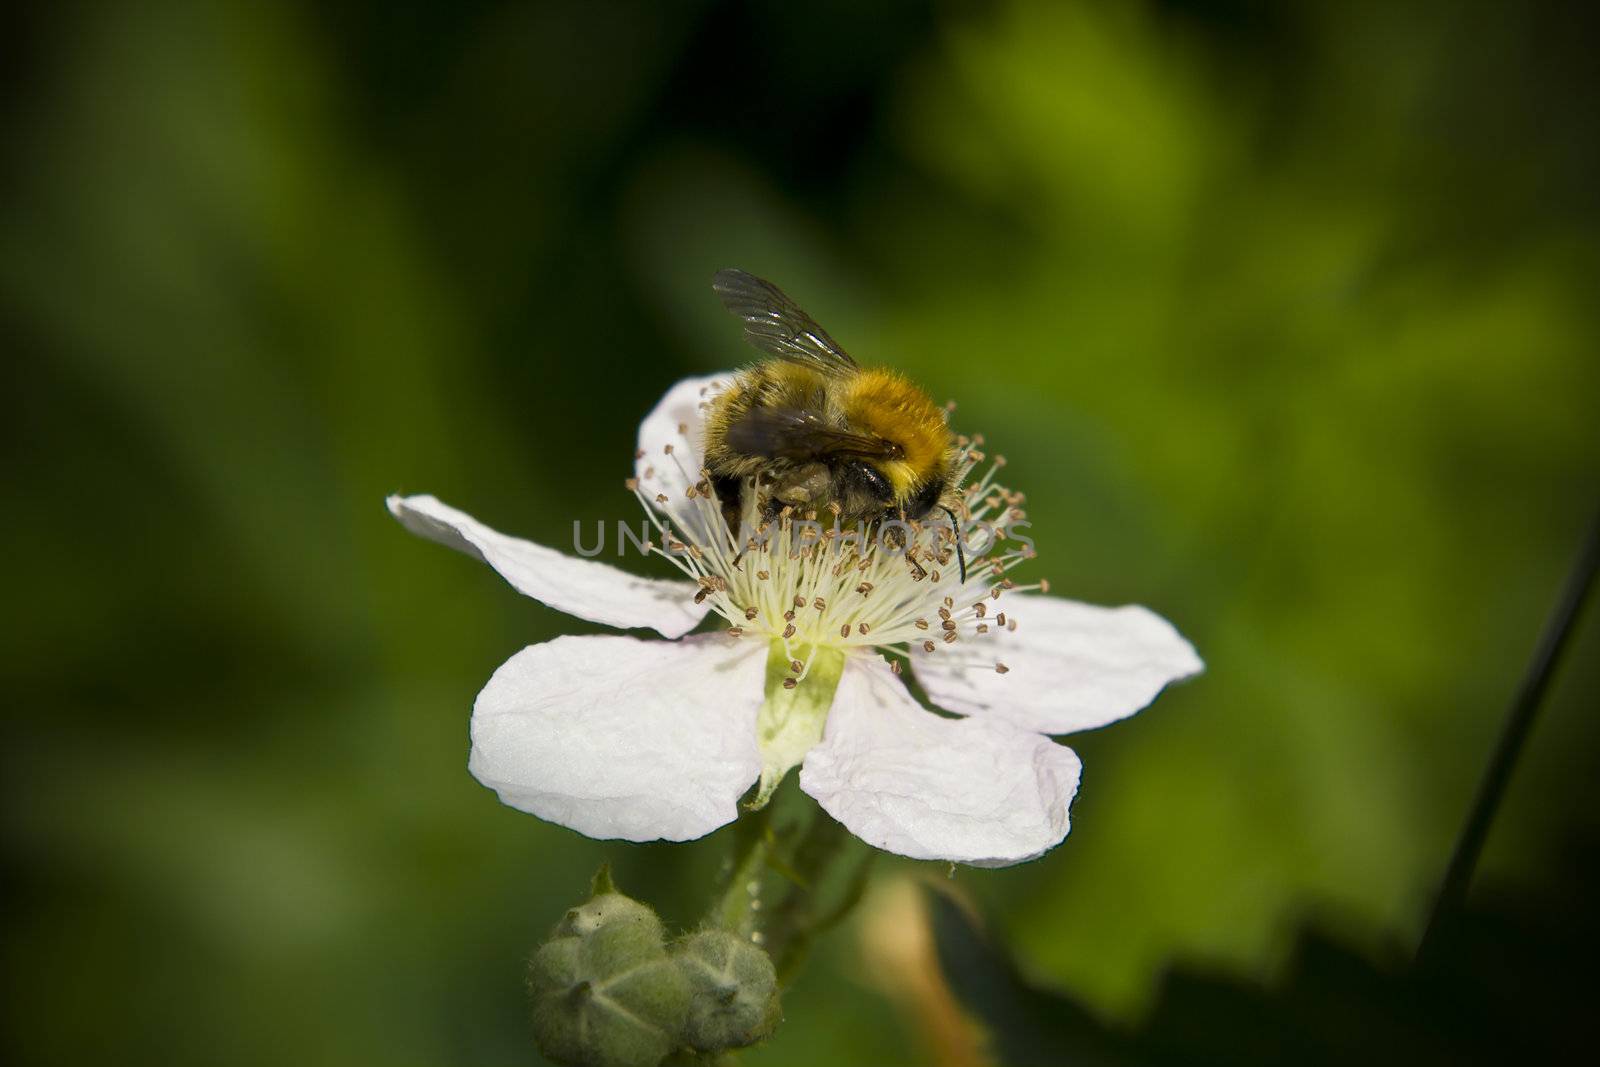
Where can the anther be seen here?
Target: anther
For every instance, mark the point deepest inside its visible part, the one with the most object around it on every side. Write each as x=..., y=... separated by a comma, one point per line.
x=950, y=635
x=844, y=631
x=1011, y=625
x=983, y=627
x=820, y=604
x=1044, y=585
x=863, y=627
x=948, y=624
x=980, y=609
x=700, y=597
x=789, y=631
x=632, y=485
x=788, y=683
x=796, y=665
x=639, y=454
x=949, y=603
x=763, y=575
x=683, y=427
x=751, y=613
x=661, y=498
x=1001, y=668
x=788, y=616
x=928, y=646
x=1000, y=619
x=864, y=588
x=736, y=631
x=922, y=624
x=667, y=449
x=894, y=665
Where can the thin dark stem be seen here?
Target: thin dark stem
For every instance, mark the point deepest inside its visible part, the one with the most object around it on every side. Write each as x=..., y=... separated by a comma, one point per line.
x=1519, y=721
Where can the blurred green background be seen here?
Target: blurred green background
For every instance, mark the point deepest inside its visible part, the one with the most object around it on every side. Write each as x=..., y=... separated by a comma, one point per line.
x=1285, y=316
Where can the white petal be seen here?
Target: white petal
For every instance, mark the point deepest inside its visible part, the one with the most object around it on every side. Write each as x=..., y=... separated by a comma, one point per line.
x=1070, y=666
x=671, y=474
x=901, y=778
x=582, y=587
x=621, y=738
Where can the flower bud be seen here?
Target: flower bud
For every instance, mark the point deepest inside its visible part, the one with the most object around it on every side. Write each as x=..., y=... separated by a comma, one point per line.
x=733, y=990
x=604, y=910
x=605, y=993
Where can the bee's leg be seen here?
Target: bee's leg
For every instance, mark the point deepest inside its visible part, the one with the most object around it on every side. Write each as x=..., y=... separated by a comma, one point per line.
x=961, y=555
x=730, y=494
x=772, y=509
x=768, y=515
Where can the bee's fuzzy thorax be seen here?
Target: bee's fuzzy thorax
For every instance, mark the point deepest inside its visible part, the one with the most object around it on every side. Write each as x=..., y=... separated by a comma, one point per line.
x=890, y=405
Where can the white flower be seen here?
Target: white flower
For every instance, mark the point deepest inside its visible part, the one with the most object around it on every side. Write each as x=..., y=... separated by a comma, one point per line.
x=618, y=737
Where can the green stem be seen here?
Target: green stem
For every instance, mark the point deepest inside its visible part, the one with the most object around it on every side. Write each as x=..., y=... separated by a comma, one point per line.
x=753, y=842
x=805, y=910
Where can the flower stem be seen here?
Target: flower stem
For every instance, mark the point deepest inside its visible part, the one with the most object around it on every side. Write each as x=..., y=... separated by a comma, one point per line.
x=753, y=840
x=805, y=911
x=1513, y=736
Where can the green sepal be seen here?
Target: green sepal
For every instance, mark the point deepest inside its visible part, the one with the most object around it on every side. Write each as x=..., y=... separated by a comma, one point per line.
x=612, y=998
x=733, y=990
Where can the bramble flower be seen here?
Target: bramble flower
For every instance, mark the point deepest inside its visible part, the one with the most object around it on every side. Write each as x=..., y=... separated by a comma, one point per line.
x=619, y=737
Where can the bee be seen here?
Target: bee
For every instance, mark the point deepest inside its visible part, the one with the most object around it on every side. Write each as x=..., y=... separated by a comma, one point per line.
x=811, y=429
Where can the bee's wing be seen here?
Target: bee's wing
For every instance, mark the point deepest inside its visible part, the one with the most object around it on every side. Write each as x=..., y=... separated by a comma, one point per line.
x=796, y=434
x=776, y=325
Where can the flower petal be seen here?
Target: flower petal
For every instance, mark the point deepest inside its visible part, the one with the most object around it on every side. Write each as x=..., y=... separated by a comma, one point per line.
x=1069, y=666
x=901, y=778
x=670, y=474
x=621, y=738
x=581, y=587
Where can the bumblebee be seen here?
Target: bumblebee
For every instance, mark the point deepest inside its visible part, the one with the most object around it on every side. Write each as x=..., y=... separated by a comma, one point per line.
x=810, y=429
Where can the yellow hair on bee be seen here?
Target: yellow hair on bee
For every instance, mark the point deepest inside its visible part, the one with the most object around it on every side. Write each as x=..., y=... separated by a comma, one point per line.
x=891, y=406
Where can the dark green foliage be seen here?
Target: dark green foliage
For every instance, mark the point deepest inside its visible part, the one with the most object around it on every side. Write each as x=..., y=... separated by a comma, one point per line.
x=1507, y=984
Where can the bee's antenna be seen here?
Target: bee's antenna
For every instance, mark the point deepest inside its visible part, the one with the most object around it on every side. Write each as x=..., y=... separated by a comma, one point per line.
x=961, y=556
